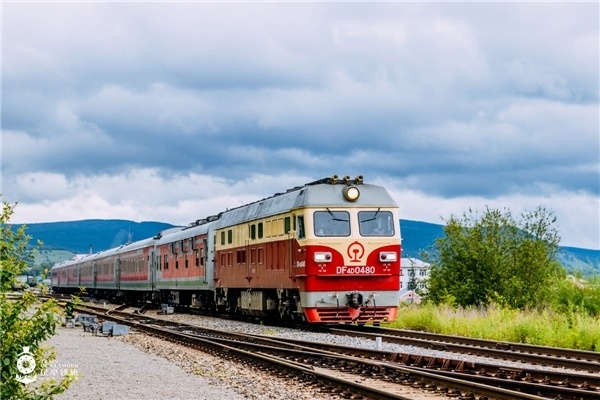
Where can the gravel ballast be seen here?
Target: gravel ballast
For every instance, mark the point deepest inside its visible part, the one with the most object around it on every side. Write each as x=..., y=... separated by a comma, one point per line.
x=136, y=366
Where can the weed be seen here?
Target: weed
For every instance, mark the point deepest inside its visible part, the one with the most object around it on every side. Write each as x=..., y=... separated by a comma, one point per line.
x=546, y=327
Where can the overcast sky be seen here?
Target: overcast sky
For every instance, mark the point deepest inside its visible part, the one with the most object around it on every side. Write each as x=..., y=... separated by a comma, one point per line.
x=174, y=111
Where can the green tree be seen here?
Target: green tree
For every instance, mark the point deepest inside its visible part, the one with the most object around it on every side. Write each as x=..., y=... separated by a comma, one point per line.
x=494, y=257
x=25, y=322
x=412, y=279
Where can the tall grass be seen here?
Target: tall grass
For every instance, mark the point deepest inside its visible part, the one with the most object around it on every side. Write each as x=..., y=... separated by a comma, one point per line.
x=547, y=328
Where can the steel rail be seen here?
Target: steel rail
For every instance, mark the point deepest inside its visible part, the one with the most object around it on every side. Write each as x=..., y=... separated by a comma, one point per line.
x=550, y=383
x=538, y=355
x=417, y=378
x=571, y=386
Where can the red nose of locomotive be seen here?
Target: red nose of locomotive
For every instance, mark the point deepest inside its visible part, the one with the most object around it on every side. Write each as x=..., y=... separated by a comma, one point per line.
x=351, y=282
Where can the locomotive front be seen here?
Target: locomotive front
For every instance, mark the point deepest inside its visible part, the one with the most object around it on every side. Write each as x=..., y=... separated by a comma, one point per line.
x=347, y=264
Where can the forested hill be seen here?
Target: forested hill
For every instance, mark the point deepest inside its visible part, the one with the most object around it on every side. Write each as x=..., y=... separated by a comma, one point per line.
x=77, y=237
x=100, y=234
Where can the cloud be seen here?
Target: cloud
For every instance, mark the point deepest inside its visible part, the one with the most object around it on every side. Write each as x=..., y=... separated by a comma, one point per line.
x=151, y=195
x=575, y=229
x=458, y=102
x=139, y=194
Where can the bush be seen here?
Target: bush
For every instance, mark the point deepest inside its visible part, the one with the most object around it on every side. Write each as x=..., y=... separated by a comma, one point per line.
x=576, y=296
x=25, y=323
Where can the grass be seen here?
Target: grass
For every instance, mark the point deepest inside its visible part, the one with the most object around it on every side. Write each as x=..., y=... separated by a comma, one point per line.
x=545, y=328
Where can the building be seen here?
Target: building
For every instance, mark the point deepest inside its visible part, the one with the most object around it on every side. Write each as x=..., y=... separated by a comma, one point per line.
x=409, y=296
x=415, y=271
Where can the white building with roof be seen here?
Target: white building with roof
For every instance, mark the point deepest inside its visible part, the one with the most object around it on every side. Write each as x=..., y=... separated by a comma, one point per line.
x=416, y=270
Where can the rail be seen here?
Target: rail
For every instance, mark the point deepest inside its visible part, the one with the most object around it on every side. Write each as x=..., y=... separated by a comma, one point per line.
x=386, y=373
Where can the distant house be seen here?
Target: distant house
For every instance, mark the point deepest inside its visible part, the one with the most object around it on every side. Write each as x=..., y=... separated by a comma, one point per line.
x=415, y=271
x=410, y=296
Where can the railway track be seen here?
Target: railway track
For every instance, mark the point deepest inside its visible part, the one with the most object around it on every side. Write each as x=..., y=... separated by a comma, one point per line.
x=577, y=360
x=527, y=380
x=381, y=374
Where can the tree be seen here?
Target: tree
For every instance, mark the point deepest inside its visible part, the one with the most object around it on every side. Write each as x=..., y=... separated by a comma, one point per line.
x=25, y=323
x=494, y=257
x=413, y=283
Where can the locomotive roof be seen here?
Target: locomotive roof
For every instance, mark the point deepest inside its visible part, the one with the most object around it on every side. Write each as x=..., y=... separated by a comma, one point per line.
x=318, y=194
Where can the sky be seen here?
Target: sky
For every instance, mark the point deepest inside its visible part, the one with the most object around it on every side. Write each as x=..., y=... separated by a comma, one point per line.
x=170, y=112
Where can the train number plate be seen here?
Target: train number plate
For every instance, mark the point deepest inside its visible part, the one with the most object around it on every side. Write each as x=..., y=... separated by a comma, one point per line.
x=359, y=270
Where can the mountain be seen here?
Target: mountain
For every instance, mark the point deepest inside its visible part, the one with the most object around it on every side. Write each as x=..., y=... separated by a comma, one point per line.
x=91, y=235
x=585, y=261
x=81, y=237
x=418, y=236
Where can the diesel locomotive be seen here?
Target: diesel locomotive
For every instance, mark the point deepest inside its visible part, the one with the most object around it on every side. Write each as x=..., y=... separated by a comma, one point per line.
x=325, y=252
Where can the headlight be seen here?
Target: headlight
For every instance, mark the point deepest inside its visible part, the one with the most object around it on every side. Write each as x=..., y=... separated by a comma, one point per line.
x=388, y=256
x=351, y=193
x=322, y=256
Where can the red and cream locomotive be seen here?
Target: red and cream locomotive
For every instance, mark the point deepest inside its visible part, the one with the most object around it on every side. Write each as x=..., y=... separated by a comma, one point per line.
x=324, y=252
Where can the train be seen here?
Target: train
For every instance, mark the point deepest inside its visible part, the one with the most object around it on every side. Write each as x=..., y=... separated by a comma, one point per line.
x=327, y=251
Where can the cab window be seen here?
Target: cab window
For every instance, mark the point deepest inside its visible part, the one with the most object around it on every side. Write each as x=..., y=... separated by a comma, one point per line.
x=376, y=223
x=331, y=223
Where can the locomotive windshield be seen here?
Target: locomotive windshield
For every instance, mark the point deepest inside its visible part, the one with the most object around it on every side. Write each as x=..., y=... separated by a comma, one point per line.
x=376, y=223
x=332, y=223
x=337, y=223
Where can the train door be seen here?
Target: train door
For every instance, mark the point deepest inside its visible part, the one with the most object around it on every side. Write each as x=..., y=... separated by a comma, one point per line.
x=289, y=253
x=245, y=259
x=290, y=226
x=152, y=268
x=209, y=253
x=204, y=258
x=94, y=275
x=117, y=269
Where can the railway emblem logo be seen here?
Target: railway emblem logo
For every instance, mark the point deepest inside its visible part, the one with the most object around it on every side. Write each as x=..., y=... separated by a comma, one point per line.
x=26, y=366
x=355, y=251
